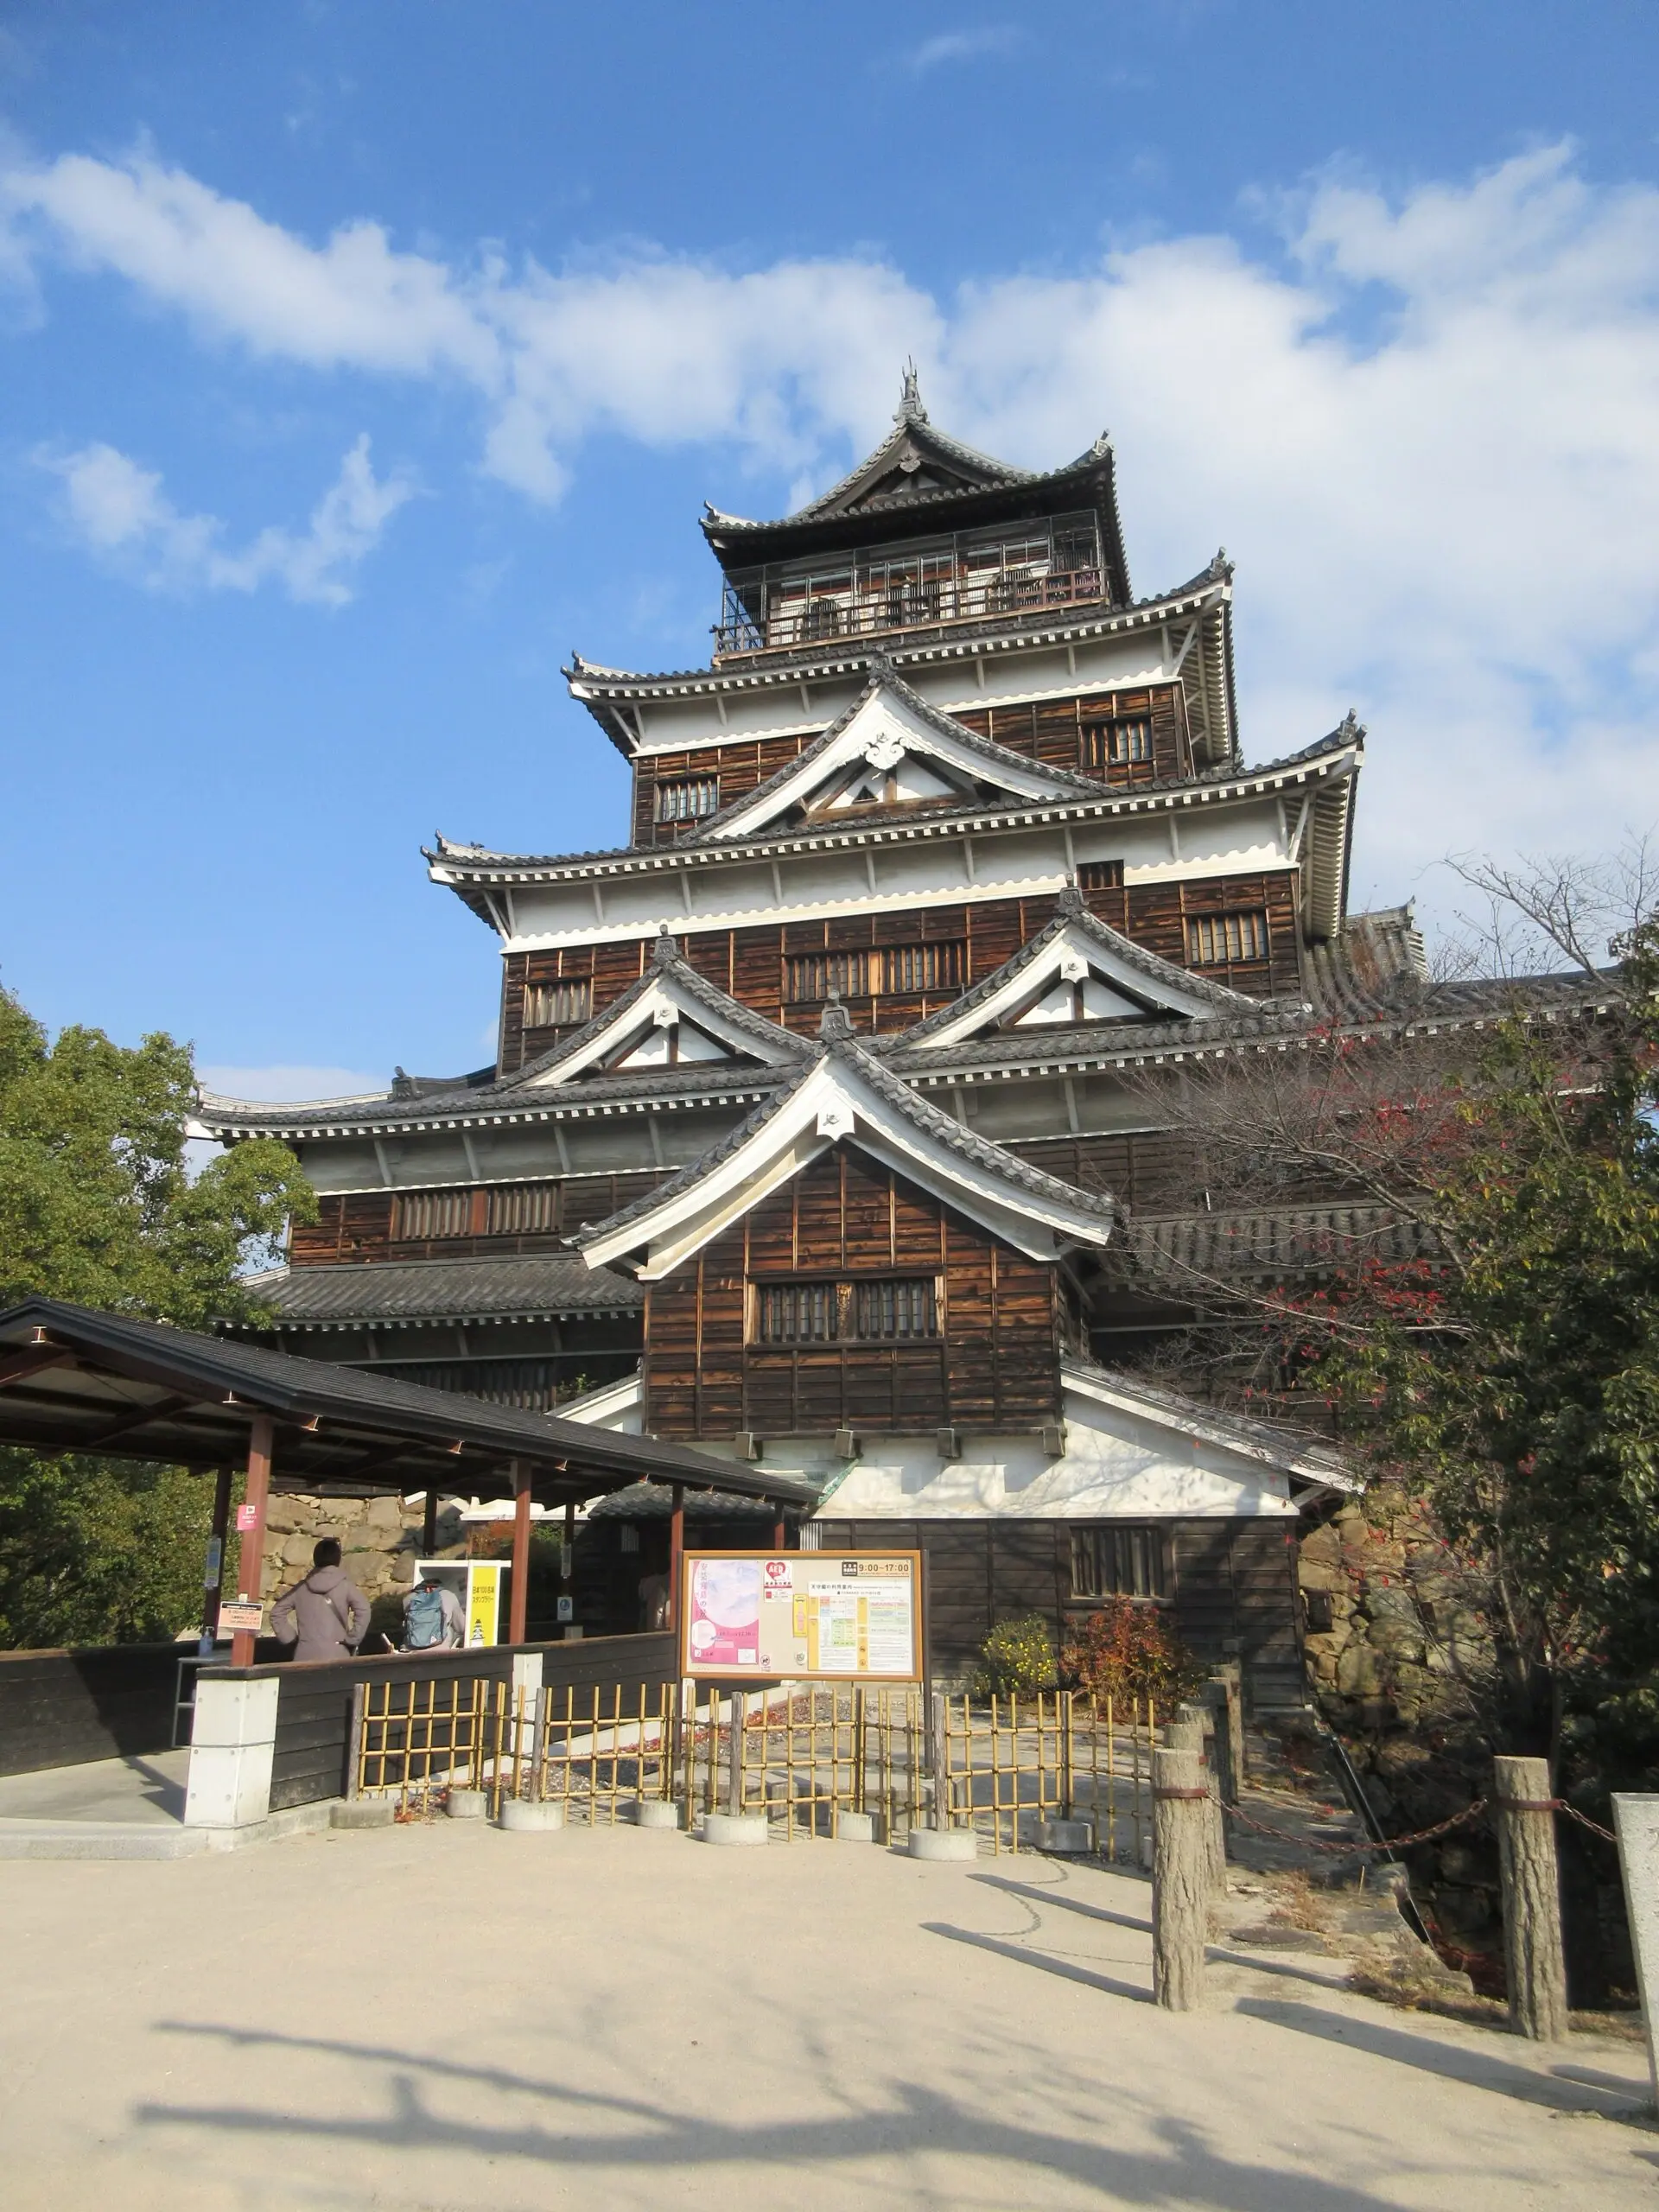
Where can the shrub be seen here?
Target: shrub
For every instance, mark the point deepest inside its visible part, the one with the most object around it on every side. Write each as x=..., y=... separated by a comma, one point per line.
x=1016, y=1660
x=1129, y=1650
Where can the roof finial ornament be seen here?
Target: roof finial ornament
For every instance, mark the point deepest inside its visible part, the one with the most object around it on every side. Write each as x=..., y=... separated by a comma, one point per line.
x=1071, y=899
x=910, y=409
x=1351, y=726
x=666, y=948
x=1220, y=568
x=835, y=1024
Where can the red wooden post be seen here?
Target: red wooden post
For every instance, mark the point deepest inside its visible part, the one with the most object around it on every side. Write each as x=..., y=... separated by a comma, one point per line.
x=518, y=1598
x=676, y=1555
x=779, y=1532
x=250, y=1559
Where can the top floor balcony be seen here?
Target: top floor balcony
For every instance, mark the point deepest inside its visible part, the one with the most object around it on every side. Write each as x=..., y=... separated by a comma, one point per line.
x=971, y=576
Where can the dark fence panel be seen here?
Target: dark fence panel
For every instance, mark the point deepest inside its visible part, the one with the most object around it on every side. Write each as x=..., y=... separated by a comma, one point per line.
x=314, y=1707
x=61, y=1709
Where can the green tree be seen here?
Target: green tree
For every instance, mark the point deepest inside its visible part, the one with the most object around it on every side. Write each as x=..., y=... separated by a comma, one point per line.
x=98, y=1206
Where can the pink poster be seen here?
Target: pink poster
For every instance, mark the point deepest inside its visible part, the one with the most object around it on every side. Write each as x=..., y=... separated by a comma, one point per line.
x=725, y=1612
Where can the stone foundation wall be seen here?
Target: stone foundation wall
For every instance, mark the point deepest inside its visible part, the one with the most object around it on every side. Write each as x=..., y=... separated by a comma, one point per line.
x=379, y=1541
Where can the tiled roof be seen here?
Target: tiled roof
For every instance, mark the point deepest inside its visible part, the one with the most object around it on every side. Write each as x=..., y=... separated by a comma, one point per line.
x=1115, y=798
x=1206, y=1250
x=883, y=678
x=1071, y=913
x=1304, y=1453
x=666, y=960
x=942, y=1127
x=537, y=1286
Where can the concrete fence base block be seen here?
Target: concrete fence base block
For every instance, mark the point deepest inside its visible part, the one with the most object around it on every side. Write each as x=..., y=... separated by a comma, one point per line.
x=363, y=1813
x=1066, y=1835
x=952, y=1846
x=735, y=1827
x=655, y=1813
x=524, y=1816
x=468, y=1804
x=855, y=1827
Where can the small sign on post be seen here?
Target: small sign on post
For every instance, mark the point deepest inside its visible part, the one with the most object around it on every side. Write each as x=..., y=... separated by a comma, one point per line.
x=247, y=1518
x=827, y=1617
x=240, y=1616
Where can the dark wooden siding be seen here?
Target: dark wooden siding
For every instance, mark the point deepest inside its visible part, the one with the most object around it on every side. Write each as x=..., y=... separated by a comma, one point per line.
x=1233, y=1587
x=994, y=1364
x=739, y=767
x=1052, y=731
x=360, y=1227
x=751, y=963
x=60, y=1709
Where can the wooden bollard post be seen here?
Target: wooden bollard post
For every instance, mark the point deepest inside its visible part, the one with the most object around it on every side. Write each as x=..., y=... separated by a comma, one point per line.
x=734, y=1751
x=1186, y=1732
x=1180, y=1882
x=1219, y=1697
x=1532, y=1899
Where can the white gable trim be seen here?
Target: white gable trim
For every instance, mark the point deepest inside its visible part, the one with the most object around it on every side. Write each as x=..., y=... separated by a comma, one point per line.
x=835, y=1103
x=663, y=1005
x=882, y=729
x=1073, y=952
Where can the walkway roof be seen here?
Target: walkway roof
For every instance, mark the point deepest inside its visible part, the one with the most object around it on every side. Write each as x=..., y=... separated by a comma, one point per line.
x=73, y=1379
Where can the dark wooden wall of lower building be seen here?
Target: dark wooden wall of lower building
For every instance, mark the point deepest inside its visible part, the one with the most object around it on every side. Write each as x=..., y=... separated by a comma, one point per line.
x=365, y=1224
x=1234, y=1588
x=62, y=1708
x=752, y=963
x=994, y=1364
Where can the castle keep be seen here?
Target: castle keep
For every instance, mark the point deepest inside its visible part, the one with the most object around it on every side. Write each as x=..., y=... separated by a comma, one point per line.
x=818, y=1130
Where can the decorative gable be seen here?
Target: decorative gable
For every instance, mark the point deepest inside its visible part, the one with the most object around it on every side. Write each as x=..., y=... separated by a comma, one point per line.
x=891, y=748
x=1076, y=971
x=672, y=1017
x=846, y=1097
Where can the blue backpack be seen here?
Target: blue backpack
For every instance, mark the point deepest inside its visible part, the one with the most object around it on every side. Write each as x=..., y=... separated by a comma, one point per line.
x=424, y=1618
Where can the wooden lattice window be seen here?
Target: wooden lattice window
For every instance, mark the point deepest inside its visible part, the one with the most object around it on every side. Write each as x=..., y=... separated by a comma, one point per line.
x=908, y=968
x=894, y=971
x=524, y=1209
x=417, y=1215
x=688, y=798
x=552, y=1005
x=1121, y=743
x=890, y=1310
x=1218, y=940
x=1100, y=875
x=1119, y=1562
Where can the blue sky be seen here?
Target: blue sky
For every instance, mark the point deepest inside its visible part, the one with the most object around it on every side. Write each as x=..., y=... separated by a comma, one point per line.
x=360, y=361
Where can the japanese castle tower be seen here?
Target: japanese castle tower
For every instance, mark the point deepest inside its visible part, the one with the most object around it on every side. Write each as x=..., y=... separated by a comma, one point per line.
x=808, y=1135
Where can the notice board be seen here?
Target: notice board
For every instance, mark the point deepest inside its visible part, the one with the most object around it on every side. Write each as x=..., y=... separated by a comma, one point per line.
x=830, y=1617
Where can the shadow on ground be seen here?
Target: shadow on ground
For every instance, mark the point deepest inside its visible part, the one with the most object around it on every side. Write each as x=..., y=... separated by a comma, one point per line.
x=636, y=2134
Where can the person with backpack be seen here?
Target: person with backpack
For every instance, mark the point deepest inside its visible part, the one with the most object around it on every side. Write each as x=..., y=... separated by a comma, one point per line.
x=325, y=1616
x=433, y=1620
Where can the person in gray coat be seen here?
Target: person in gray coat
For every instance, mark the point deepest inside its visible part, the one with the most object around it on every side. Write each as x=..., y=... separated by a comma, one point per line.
x=325, y=1616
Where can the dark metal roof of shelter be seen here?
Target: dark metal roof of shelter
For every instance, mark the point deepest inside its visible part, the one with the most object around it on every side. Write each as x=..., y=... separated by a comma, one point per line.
x=540, y=1287
x=73, y=1379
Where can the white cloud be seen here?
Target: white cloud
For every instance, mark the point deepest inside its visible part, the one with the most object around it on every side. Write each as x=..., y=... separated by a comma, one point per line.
x=120, y=510
x=1428, y=429
x=961, y=46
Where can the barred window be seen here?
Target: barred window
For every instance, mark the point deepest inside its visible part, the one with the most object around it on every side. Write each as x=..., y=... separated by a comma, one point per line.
x=923, y=967
x=894, y=971
x=1100, y=875
x=687, y=799
x=1118, y=1562
x=523, y=1208
x=417, y=1215
x=1117, y=744
x=552, y=1005
x=1213, y=940
x=893, y=1310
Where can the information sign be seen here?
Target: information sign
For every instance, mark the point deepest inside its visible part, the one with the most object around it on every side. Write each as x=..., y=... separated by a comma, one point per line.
x=240, y=1615
x=806, y=1616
